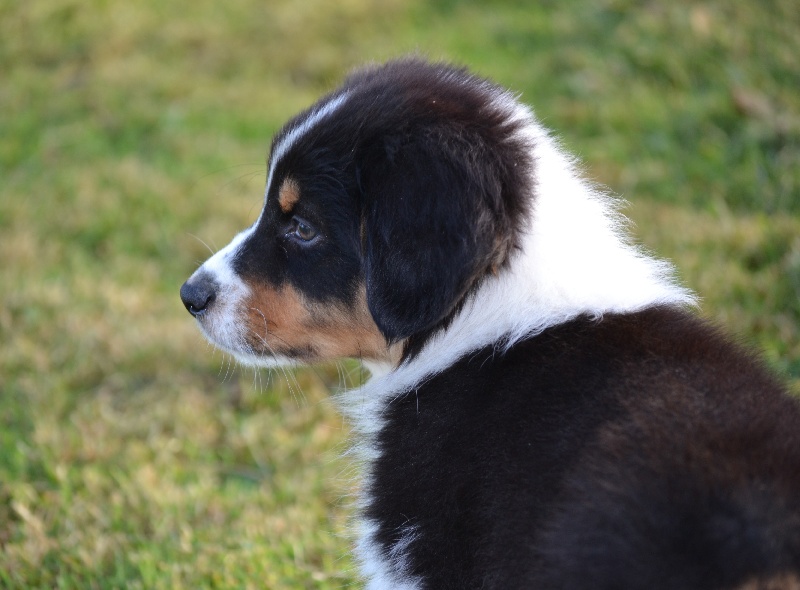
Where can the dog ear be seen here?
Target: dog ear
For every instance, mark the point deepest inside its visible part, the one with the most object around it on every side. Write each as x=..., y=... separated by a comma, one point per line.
x=428, y=229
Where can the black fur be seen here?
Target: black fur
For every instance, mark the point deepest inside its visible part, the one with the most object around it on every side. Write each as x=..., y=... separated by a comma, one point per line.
x=639, y=451
x=443, y=180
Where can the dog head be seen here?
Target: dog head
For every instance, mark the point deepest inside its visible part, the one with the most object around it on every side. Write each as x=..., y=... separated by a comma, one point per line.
x=387, y=203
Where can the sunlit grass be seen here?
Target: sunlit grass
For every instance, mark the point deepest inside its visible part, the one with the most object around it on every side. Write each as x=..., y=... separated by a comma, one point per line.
x=133, y=134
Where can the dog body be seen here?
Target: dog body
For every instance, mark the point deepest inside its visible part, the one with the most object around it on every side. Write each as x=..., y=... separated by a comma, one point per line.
x=544, y=412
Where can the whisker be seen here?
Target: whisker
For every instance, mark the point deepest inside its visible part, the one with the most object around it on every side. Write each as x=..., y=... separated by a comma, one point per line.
x=227, y=168
x=290, y=377
x=204, y=243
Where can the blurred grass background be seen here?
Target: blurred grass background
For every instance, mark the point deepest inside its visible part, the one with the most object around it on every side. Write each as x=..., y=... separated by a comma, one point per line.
x=131, y=455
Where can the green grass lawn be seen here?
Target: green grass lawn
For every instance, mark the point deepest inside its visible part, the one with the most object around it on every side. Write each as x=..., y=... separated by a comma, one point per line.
x=131, y=454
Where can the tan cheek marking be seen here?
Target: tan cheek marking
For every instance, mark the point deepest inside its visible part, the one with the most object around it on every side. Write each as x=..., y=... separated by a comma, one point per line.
x=288, y=195
x=351, y=333
x=273, y=319
x=281, y=322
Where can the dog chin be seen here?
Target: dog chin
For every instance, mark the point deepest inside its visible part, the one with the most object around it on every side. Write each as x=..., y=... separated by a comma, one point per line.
x=265, y=361
x=227, y=340
x=246, y=356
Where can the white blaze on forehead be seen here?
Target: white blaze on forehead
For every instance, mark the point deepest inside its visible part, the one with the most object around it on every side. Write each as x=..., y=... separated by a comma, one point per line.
x=285, y=143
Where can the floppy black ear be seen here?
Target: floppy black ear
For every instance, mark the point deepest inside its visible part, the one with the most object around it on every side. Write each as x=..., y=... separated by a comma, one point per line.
x=429, y=231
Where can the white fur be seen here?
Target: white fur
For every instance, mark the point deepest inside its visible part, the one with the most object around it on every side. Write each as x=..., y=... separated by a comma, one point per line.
x=574, y=260
x=379, y=572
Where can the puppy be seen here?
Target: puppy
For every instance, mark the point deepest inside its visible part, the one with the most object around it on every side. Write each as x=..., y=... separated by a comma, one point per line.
x=545, y=411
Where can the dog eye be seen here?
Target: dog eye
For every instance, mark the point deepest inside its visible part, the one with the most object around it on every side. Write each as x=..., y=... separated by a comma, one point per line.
x=302, y=230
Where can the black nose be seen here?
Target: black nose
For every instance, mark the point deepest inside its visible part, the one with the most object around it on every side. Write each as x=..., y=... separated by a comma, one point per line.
x=198, y=293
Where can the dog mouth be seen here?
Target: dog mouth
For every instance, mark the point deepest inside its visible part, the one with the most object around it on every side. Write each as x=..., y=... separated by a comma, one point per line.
x=248, y=345
x=214, y=308
x=234, y=321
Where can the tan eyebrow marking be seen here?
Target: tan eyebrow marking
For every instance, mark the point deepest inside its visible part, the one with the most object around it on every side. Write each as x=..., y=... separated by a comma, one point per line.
x=288, y=195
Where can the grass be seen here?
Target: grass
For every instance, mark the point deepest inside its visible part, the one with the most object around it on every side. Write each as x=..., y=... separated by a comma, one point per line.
x=131, y=455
